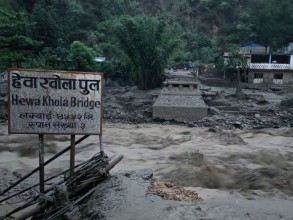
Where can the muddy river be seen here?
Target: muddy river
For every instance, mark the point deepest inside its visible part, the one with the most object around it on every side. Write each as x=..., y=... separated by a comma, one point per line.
x=233, y=171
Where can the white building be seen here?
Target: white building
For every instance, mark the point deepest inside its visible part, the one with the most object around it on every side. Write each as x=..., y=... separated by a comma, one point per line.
x=270, y=69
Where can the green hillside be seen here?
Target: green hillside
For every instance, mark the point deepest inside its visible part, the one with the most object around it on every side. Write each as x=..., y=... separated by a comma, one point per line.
x=67, y=34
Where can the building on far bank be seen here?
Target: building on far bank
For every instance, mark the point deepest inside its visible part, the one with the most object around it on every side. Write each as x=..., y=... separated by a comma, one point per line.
x=270, y=68
x=265, y=67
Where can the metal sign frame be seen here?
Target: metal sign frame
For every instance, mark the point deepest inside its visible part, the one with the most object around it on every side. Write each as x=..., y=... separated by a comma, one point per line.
x=50, y=72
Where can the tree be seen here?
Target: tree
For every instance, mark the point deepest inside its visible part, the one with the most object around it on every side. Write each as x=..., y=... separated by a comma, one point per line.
x=200, y=49
x=16, y=44
x=234, y=64
x=273, y=21
x=147, y=44
x=244, y=29
x=82, y=56
x=46, y=27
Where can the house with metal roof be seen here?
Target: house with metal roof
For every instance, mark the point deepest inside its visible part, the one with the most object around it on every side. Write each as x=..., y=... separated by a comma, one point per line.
x=252, y=47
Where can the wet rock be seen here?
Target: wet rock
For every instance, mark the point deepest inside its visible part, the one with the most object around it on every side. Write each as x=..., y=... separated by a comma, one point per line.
x=275, y=88
x=126, y=97
x=287, y=103
x=237, y=124
x=145, y=174
x=213, y=111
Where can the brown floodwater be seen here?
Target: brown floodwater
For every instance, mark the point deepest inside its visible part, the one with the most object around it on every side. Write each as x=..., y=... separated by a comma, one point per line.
x=247, y=170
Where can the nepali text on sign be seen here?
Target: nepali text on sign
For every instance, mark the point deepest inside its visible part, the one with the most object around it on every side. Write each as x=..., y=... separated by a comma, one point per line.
x=55, y=102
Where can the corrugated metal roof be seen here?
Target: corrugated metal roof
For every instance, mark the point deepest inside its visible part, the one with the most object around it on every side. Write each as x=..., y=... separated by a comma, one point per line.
x=251, y=44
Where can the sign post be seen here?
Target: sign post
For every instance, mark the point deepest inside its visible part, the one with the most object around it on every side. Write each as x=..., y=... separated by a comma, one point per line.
x=41, y=163
x=55, y=102
x=72, y=154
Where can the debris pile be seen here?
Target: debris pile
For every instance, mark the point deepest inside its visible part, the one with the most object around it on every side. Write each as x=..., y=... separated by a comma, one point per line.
x=61, y=199
x=127, y=105
x=169, y=191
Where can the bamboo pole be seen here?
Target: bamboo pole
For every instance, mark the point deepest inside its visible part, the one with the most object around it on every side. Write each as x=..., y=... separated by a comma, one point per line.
x=33, y=186
x=47, y=162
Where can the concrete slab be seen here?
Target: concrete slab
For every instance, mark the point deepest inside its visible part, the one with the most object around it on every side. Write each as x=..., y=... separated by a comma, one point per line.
x=180, y=100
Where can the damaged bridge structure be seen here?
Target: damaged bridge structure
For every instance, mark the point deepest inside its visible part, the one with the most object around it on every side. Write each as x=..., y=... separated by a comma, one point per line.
x=180, y=99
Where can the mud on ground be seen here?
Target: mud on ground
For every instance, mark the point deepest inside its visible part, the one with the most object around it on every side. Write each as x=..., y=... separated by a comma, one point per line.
x=254, y=109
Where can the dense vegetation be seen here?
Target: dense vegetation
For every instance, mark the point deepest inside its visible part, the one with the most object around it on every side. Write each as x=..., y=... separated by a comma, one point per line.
x=138, y=37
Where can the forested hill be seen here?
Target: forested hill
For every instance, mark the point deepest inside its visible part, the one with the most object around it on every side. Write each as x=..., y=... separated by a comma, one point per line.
x=52, y=33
